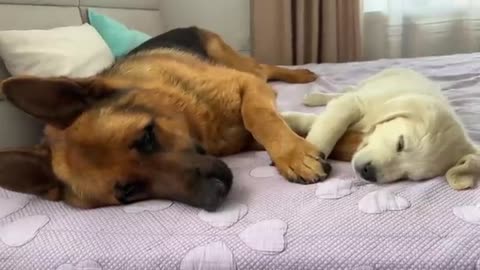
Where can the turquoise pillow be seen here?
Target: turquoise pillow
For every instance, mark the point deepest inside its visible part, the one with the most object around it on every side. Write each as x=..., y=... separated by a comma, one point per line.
x=118, y=37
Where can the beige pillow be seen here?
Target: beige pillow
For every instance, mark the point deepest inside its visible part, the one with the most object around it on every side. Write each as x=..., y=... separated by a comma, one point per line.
x=74, y=51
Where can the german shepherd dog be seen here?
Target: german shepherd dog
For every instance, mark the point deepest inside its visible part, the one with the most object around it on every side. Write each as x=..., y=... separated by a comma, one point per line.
x=154, y=124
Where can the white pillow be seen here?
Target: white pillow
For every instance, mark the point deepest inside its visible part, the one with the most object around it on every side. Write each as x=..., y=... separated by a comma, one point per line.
x=73, y=51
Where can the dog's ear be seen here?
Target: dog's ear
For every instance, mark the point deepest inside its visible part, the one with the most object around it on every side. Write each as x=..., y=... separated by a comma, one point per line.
x=56, y=101
x=420, y=108
x=465, y=172
x=394, y=108
x=29, y=171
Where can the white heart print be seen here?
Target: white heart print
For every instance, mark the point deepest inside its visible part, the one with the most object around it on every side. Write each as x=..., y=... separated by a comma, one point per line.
x=150, y=206
x=468, y=213
x=12, y=205
x=335, y=189
x=225, y=216
x=214, y=256
x=23, y=230
x=266, y=236
x=264, y=172
x=381, y=201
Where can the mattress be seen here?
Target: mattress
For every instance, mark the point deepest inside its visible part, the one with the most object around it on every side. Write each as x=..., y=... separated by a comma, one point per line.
x=267, y=222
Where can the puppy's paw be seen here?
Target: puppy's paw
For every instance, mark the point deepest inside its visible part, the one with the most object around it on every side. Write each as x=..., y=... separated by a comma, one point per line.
x=314, y=99
x=303, y=163
x=459, y=182
x=464, y=173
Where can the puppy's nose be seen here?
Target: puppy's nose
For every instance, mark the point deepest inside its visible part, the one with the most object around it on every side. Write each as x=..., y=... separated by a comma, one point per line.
x=368, y=172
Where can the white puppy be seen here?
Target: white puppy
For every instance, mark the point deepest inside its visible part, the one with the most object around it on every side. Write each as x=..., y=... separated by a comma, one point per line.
x=410, y=130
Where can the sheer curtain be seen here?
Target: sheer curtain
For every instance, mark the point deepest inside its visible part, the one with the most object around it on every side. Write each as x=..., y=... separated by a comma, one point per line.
x=413, y=28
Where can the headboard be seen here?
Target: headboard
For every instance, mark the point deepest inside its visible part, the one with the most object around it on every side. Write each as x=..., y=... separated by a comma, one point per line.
x=143, y=15
x=18, y=129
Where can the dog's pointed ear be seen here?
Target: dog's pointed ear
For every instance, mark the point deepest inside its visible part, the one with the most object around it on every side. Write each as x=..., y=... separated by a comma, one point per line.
x=56, y=101
x=464, y=174
x=29, y=171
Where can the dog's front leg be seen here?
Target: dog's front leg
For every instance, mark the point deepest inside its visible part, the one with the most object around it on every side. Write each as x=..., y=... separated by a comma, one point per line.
x=296, y=159
x=331, y=125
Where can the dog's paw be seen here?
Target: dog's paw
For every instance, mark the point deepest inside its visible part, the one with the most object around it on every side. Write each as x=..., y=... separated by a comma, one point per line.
x=303, y=164
x=304, y=76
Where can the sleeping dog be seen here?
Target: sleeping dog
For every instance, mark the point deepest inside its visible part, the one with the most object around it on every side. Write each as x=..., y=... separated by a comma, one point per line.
x=154, y=124
x=403, y=124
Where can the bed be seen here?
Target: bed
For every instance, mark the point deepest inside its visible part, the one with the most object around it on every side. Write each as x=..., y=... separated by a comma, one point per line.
x=267, y=222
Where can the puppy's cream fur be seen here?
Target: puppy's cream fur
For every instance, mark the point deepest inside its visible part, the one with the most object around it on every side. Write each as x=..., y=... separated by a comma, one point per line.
x=392, y=104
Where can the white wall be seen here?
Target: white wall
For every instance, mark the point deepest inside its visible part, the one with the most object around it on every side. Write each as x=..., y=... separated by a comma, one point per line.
x=229, y=18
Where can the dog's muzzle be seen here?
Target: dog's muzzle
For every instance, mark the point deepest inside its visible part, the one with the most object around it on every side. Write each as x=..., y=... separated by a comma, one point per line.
x=215, y=185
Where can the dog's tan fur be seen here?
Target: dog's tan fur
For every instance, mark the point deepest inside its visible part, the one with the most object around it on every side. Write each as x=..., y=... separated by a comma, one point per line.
x=223, y=104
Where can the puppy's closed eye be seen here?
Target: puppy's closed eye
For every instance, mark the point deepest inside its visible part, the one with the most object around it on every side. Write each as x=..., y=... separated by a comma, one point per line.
x=400, y=144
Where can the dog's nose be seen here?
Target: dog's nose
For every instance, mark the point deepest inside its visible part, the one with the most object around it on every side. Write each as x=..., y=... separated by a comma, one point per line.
x=368, y=172
x=216, y=184
x=200, y=150
x=222, y=172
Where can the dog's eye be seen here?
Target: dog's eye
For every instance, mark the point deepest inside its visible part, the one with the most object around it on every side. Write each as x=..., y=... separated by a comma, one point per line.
x=129, y=192
x=147, y=144
x=400, y=144
x=200, y=150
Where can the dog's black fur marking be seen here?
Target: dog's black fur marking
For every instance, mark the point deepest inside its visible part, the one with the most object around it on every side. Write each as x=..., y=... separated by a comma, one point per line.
x=185, y=39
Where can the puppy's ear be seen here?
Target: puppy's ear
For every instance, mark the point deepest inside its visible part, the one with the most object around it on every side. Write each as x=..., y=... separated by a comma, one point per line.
x=29, y=171
x=464, y=173
x=397, y=107
x=420, y=108
x=56, y=101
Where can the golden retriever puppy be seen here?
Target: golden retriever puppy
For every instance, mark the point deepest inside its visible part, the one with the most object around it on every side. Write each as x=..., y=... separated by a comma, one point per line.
x=409, y=130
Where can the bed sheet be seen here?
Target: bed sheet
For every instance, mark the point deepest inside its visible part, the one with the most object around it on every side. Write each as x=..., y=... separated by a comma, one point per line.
x=267, y=222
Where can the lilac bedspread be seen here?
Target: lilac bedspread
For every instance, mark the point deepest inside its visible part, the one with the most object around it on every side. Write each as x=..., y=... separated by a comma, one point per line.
x=267, y=222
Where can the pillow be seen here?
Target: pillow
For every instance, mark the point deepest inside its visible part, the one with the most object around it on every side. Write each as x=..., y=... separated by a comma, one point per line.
x=119, y=38
x=73, y=51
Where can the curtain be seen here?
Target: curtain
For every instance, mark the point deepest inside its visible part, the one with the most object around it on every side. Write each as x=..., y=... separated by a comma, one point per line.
x=413, y=28
x=306, y=31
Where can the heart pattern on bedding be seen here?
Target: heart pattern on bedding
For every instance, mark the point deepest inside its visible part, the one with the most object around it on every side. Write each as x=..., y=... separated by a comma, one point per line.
x=264, y=172
x=214, y=256
x=266, y=236
x=83, y=265
x=245, y=159
x=23, y=230
x=149, y=206
x=237, y=162
x=335, y=188
x=468, y=213
x=12, y=205
x=380, y=201
x=225, y=216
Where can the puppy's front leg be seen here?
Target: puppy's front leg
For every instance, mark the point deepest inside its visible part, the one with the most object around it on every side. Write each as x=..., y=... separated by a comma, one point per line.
x=331, y=125
x=296, y=159
x=301, y=123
